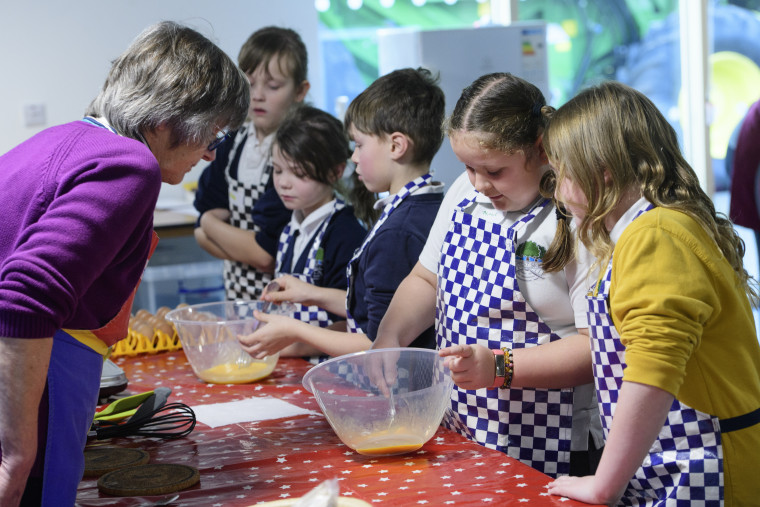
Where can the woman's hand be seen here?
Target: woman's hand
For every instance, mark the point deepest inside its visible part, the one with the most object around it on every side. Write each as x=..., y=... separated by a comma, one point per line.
x=274, y=334
x=472, y=366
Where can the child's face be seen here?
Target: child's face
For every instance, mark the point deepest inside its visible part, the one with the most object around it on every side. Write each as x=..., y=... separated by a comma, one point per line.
x=297, y=192
x=573, y=198
x=272, y=95
x=372, y=159
x=509, y=180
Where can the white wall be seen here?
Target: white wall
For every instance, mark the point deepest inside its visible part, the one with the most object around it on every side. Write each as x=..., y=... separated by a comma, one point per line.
x=58, y=53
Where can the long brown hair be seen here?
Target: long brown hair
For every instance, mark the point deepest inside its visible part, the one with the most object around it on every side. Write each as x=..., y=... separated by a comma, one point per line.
x=615, y=129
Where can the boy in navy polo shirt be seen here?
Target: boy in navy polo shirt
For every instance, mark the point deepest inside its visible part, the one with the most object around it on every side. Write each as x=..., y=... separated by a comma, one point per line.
x=396, y=124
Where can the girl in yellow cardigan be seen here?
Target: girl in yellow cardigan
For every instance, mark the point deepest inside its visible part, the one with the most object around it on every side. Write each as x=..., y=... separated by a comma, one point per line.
x=676, y=360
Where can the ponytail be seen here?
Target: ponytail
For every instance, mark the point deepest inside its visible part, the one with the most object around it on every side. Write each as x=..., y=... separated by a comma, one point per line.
x=363, y=201
x=562, y=249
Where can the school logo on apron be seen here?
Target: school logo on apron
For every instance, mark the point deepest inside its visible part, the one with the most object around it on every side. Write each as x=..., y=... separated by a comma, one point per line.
x=528, y=261
x=480, y=301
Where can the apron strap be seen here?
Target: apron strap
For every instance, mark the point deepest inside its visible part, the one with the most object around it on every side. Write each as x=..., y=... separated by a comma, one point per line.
x=740, y=422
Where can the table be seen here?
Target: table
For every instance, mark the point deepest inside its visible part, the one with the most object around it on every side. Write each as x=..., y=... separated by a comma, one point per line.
x=170, y=223
x=248, y=463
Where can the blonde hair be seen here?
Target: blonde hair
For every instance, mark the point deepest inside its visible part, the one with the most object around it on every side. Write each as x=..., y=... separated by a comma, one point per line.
x=615, y=129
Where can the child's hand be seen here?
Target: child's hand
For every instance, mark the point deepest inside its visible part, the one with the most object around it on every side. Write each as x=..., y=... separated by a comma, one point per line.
x=578, y=488
x=291, y=289
x=381, y=370
x=472, y=366
x=273, y=335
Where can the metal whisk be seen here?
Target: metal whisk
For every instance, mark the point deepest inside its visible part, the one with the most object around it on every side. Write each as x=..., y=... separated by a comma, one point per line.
x=173, y=420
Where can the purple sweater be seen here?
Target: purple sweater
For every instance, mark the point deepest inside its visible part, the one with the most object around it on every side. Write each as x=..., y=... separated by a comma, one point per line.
x=78, y=205
x=745, y=185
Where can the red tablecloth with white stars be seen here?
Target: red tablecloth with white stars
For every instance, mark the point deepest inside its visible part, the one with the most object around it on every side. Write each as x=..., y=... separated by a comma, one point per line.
x=249, y=463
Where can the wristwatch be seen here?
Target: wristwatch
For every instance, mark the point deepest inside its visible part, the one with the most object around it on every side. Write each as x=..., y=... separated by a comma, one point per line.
x=500, y=368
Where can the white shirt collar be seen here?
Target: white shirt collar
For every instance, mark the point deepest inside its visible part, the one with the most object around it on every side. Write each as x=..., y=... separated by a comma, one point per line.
x=308, y=225
x=434, y=187
x=265, y=143
x=627, y=218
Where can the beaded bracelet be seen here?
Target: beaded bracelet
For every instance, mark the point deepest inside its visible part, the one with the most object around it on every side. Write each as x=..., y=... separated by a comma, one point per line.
x=509, y=368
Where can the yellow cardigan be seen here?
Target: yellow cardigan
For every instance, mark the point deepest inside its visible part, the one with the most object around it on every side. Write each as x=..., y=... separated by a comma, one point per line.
x=688, y=328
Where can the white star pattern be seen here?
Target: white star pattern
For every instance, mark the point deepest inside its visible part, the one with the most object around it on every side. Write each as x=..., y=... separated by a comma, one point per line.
x=251, y=462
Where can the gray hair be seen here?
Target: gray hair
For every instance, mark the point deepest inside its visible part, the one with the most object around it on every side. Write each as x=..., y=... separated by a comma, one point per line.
x=172, y=75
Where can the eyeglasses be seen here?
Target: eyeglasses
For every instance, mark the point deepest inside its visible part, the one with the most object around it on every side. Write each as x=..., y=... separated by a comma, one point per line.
x=221, y=136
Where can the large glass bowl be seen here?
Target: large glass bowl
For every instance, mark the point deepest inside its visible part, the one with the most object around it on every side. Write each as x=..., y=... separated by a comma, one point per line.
x=209, y=336
x=385, y=401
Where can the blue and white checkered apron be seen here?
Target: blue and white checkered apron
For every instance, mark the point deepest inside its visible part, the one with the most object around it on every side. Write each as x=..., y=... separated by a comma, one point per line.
x=243, y=281
x=402, y=194
x=479, y=301
x=685, y=464
x=311, y=314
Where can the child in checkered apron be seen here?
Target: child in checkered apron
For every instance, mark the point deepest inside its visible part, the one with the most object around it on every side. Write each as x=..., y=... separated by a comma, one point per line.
x=241, y=216
x=309, y=156
x=485, y=278
x=396, y=126
x=675, y=355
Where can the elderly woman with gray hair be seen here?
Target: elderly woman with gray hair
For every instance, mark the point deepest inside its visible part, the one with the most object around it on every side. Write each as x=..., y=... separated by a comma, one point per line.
x=76, y=233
